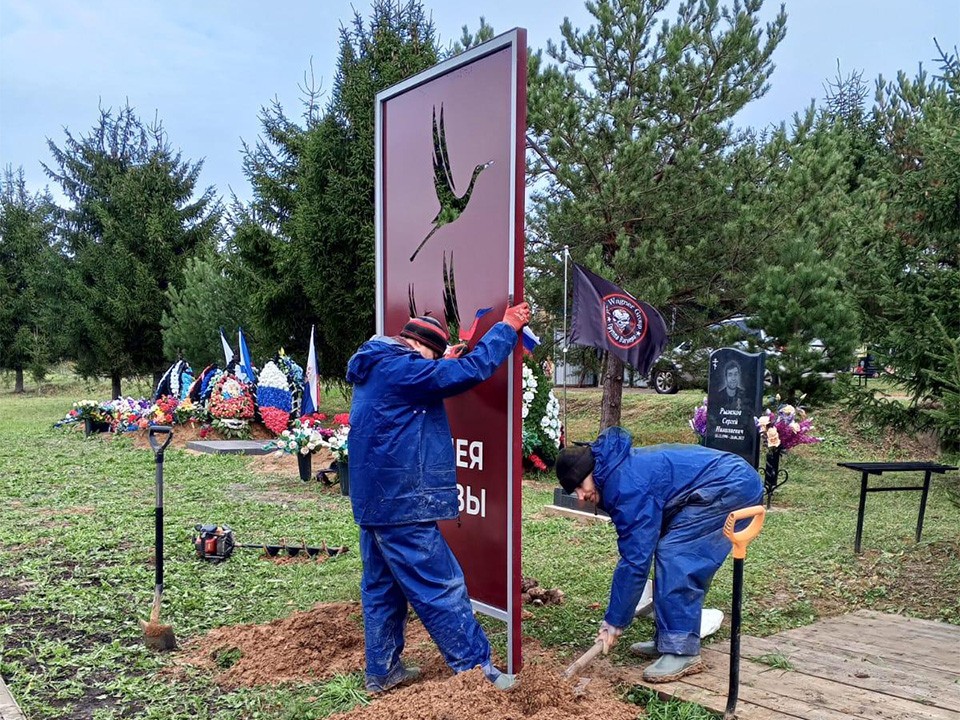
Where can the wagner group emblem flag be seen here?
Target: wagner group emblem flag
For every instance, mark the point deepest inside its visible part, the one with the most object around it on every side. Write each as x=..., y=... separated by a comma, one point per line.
x=607, y=317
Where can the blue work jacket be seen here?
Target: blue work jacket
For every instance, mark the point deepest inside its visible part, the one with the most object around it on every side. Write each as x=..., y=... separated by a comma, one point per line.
x=402, y=464
x=643, y=488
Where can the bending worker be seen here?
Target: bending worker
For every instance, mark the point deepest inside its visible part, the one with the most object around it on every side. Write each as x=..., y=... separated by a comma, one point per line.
x=668, y=501
x=403, y=480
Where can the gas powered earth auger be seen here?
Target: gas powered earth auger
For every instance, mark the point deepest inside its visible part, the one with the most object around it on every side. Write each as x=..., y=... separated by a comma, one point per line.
x=217, y=543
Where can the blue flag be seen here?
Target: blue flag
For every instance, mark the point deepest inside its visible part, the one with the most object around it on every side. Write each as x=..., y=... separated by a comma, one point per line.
x=244, y=367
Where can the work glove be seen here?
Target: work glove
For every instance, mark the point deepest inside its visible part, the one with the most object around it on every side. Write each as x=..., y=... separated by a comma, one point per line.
x=517, y=316
x=608, y=635
x=455, y=351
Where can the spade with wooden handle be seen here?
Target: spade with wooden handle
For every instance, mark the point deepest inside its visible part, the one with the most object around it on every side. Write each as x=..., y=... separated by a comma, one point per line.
x=584, y=660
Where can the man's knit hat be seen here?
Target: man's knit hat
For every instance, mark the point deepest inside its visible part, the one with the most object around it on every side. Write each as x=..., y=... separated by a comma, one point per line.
x=427, y=330
x=573, y=466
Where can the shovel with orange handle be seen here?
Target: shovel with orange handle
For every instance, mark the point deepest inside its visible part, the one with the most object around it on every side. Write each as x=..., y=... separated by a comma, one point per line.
x=740, y=540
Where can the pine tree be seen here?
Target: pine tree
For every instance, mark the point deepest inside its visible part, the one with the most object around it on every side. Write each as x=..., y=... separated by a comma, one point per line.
x=640, y=170
x=132, y=223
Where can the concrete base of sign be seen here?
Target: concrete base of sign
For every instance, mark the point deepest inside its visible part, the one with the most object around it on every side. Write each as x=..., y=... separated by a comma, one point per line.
x=587, y=517
x=9, y=710
x=561, y=499
x=229, y=447
x=569, y=506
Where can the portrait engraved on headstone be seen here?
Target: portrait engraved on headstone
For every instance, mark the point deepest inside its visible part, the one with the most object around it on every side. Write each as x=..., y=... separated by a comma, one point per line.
x=734, y=399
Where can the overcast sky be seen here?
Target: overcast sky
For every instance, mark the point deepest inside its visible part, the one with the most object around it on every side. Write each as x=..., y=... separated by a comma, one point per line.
x=206, y=68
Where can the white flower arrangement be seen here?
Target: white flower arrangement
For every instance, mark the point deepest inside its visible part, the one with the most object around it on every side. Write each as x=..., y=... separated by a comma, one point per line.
x=338, y=443
x=300, y=440
x=272, y=376
x=550, y=422
x=529, y=385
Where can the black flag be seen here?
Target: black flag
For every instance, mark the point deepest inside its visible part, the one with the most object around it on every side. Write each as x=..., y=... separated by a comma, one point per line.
x=607, y=317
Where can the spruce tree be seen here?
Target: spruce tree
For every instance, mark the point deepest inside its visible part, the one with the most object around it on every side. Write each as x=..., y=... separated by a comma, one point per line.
x=204, y=300
x=798, y=294
x=305, y=246
x=132, y=223
x=27, y=269
x=909, y=277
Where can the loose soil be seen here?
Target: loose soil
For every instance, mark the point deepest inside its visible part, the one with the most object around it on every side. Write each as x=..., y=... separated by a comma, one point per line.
x=532, y=594
x=327, y=640
x=540, y=695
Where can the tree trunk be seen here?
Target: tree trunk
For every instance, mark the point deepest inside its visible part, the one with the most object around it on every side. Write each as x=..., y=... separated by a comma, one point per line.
x=115, y=381
x=612, y=392
x=18, y=382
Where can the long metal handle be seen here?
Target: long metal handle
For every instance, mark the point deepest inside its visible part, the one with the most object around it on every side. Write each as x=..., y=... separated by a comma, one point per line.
x=740, y=540
x=158, y=450
x=733, y=690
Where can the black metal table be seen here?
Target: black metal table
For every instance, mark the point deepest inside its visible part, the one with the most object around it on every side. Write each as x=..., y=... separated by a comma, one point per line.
x=866, y=469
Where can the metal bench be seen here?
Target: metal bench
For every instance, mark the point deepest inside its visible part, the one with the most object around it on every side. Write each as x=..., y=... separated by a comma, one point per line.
x=866, y=469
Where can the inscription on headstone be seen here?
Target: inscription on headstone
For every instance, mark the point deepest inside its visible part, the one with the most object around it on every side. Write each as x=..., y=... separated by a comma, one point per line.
x=734, y=399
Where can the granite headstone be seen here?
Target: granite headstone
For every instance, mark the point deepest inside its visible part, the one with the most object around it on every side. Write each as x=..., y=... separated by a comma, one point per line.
x=734, y=399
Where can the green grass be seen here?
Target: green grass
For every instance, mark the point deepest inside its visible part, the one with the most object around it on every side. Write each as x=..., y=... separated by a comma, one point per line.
x=777, y=661
x=76, y=536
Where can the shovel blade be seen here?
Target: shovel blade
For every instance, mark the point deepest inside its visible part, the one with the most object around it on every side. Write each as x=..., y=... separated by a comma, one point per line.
x=157, y=636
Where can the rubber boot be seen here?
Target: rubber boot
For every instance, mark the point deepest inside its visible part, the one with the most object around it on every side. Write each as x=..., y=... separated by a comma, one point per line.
x=673, y=667
x=399, y=675
x=500, y=680
x=646, y=649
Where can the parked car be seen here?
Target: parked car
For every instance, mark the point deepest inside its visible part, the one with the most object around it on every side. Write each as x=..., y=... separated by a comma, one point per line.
x=682, y=367
x=686, y=365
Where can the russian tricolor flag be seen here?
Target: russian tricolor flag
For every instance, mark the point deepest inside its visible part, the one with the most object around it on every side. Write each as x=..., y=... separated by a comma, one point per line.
x=530, y=341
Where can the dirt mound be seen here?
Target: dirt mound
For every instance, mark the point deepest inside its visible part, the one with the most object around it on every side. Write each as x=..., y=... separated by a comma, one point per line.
x=187, y=432
x=541, y=694
x=307, y=646
x=316, y=644
x=286, y=465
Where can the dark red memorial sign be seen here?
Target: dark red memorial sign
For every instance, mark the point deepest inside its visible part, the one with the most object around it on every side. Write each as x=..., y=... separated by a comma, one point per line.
x=449, y=232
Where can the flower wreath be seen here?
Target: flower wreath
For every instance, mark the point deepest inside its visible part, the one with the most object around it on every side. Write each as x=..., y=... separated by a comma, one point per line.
x=231, y=398
x=274, y=398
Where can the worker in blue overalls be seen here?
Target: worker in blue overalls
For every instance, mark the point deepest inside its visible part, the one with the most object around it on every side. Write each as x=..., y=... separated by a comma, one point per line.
x=667, y=502
x=403, y=481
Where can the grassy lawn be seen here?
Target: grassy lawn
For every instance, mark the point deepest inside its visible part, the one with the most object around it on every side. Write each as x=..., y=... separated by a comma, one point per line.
x=76, y=537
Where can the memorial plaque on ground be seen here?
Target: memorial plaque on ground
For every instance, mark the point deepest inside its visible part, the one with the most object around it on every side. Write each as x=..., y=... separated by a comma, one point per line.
x=229, y=447
x=734, y=399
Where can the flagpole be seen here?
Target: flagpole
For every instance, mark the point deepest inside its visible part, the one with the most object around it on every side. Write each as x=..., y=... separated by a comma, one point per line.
x=566, y=256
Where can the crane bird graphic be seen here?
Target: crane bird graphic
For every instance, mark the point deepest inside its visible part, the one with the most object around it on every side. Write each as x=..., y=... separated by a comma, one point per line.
x=451, y=204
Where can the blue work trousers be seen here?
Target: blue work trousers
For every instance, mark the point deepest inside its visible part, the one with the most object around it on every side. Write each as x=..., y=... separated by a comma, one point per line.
x=691, y=549
x=413, y=563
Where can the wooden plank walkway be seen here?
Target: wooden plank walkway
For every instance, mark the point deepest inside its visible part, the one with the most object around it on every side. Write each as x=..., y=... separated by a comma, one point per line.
x=9, y=710
x=866, y=665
